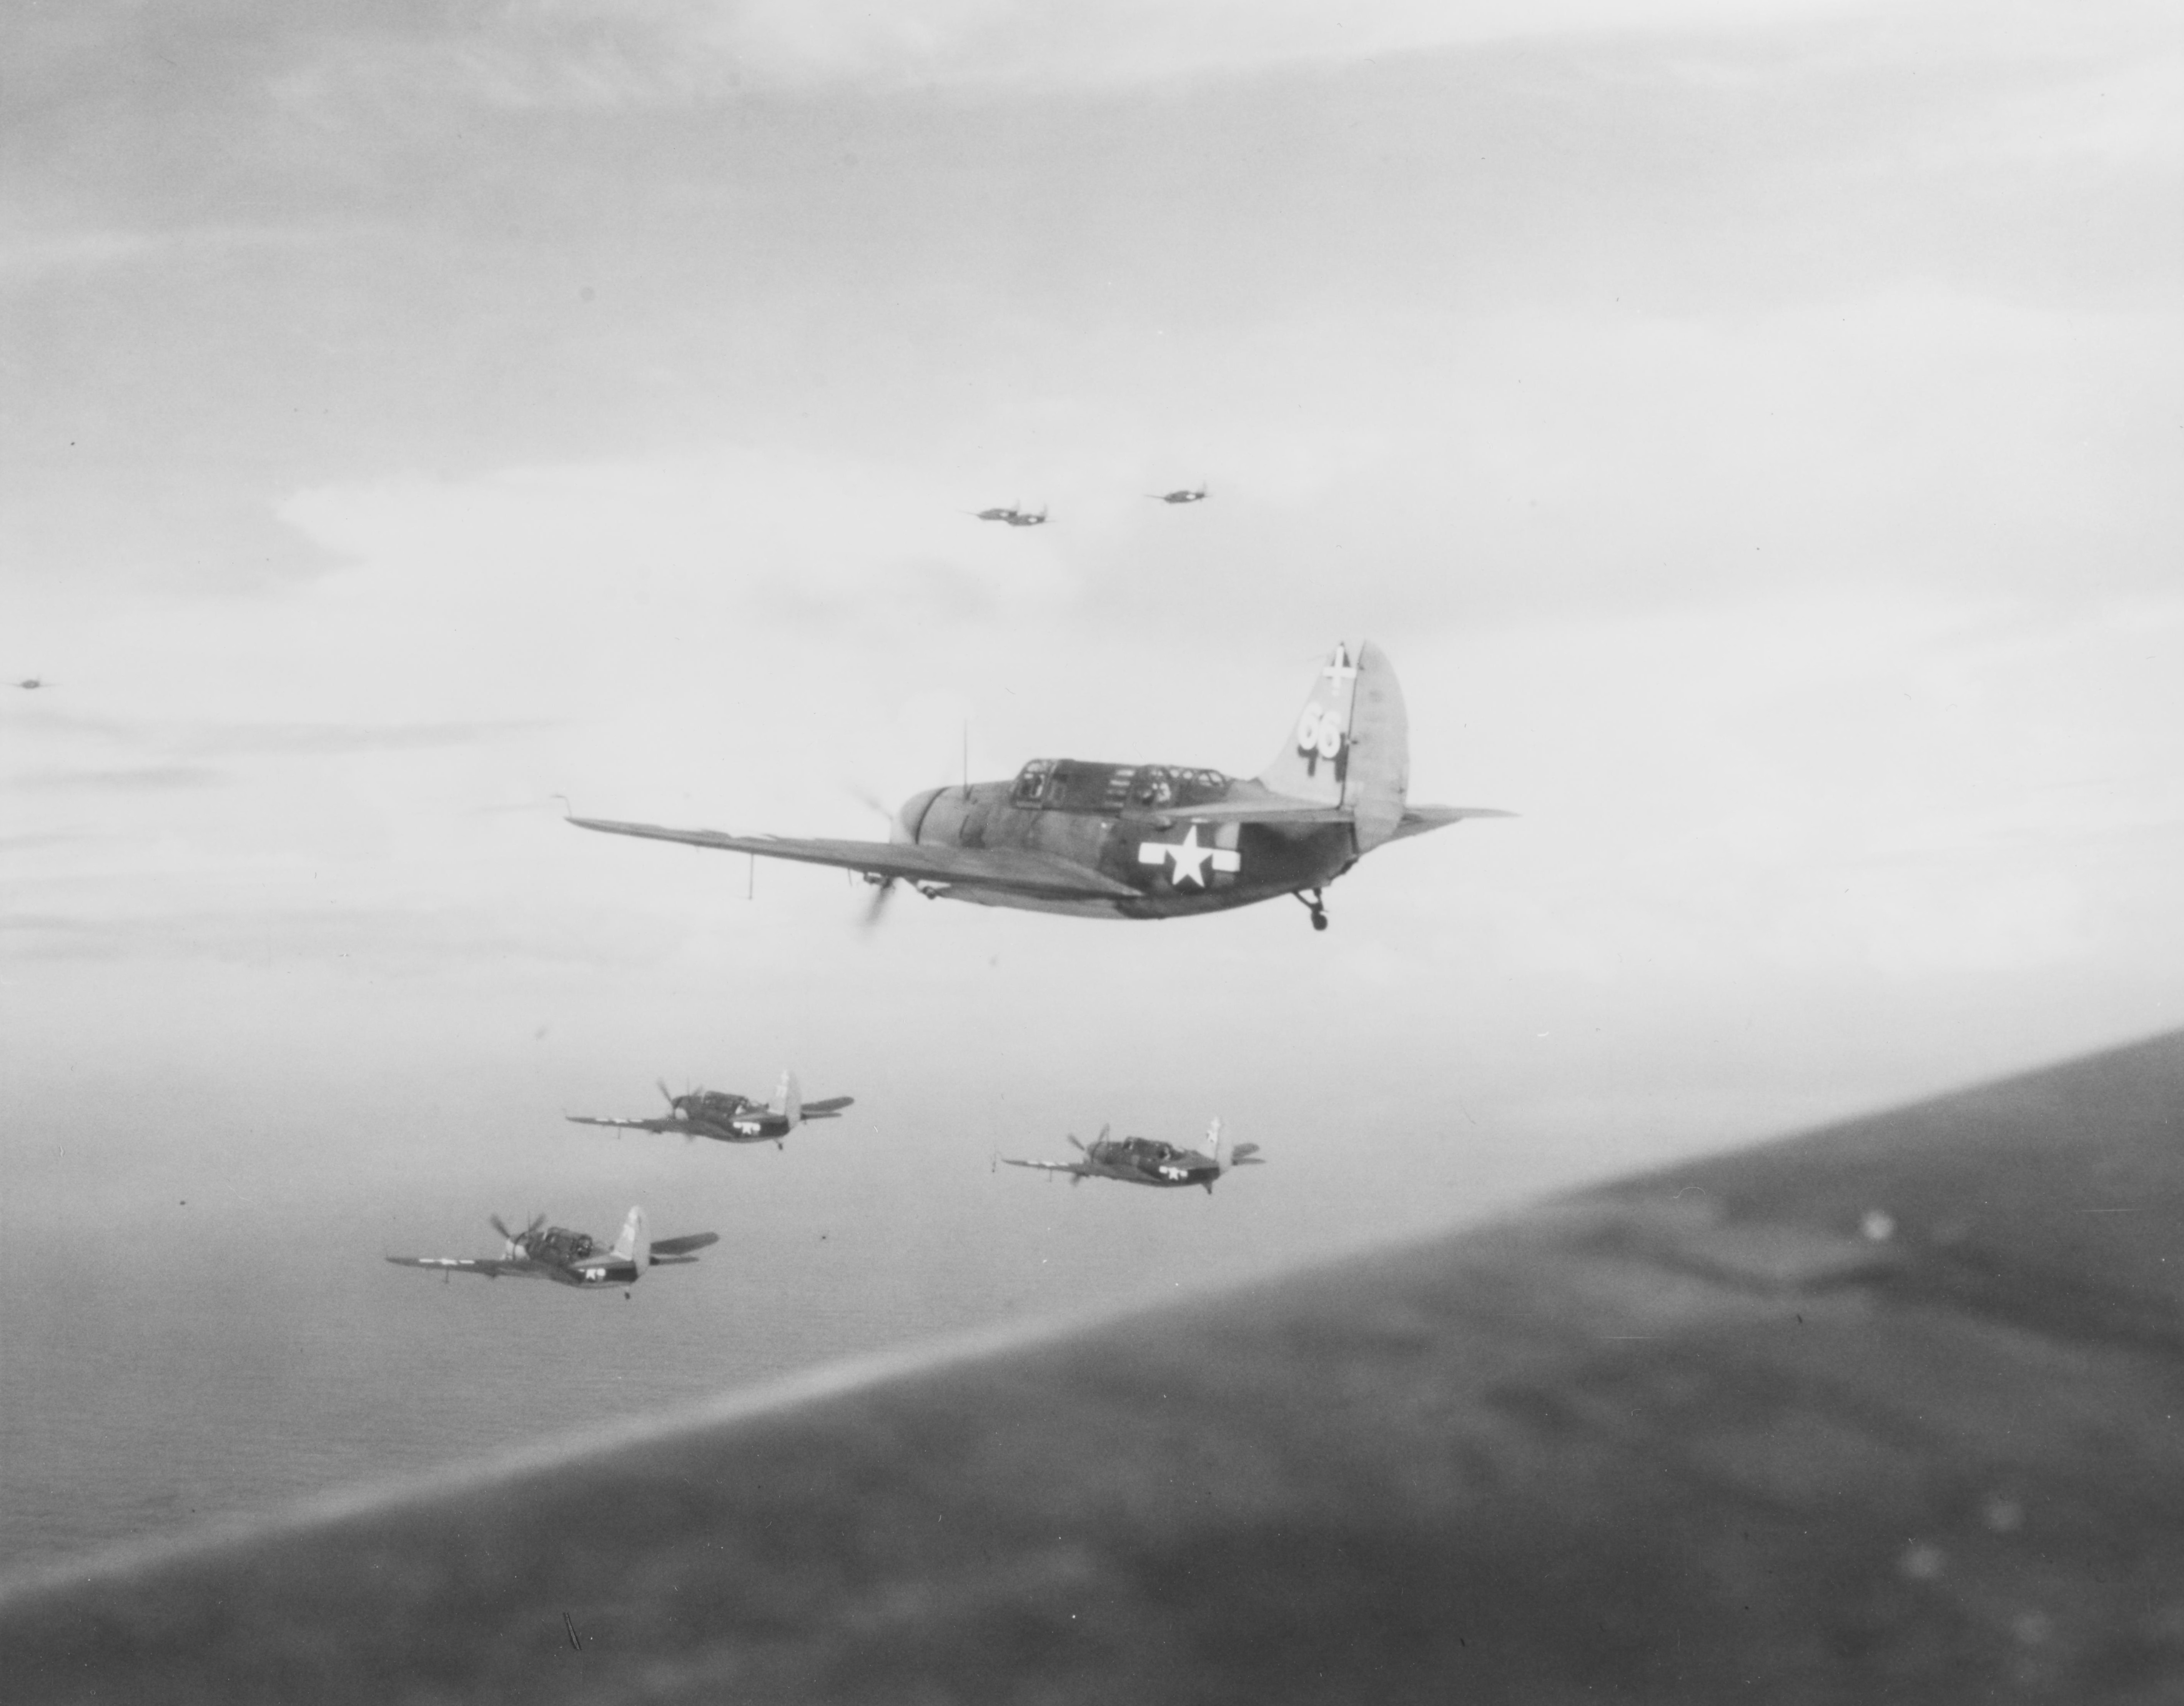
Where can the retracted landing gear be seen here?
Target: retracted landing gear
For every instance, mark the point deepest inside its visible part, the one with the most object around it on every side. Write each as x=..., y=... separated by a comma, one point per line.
x=1311, y=901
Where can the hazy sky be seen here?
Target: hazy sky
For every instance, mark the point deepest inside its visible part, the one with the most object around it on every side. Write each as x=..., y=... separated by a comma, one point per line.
x=1751, y=430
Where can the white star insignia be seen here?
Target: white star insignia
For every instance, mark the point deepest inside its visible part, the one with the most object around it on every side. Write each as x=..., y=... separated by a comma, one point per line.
x=1190, y=858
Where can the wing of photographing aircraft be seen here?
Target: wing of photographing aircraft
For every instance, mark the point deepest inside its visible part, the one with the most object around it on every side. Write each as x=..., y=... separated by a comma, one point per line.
x=989, y=867
x=1886, y=1413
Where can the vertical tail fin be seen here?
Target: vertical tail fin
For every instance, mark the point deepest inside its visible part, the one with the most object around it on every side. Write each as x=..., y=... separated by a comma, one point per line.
x=634, y=1245
x=1313, y=761
x=1217, y=1144
x=1351, y=743
x=789, y=1098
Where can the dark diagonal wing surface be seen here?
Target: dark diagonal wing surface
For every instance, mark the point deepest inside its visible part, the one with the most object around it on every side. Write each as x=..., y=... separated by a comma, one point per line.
x=1886, y=1413
x=988, y=867
x=828, y=1108
x=452, y=1264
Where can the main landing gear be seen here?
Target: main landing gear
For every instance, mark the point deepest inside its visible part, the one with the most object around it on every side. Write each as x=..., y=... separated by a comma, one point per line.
x=1310, y=899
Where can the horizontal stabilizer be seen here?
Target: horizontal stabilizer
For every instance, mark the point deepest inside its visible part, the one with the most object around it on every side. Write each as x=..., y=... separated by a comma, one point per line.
x=684, y=1245
x=1417, y=820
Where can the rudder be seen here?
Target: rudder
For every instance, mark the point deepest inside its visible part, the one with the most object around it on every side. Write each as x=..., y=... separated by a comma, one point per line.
x=788, y=1097
x=633, y=1246
x=1376, y=783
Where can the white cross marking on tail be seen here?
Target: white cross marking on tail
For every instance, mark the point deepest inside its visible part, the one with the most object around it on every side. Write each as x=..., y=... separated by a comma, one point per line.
x=1339, y=668
x=1190, y=859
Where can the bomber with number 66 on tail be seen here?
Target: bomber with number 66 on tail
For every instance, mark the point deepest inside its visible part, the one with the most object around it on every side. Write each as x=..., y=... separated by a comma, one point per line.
x=1151, y=840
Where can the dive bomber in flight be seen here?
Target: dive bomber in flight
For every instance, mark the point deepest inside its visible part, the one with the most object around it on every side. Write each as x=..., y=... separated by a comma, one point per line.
x=1151, y=840
x=726, y=1116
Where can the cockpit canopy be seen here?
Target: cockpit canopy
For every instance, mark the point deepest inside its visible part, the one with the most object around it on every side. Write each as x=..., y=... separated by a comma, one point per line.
x=1070, y=784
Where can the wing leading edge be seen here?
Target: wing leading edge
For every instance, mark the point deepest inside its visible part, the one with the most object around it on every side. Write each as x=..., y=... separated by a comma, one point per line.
x=986, y=867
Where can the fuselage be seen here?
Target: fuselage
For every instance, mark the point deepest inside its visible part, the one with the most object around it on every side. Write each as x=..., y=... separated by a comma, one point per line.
x=726, y=1117
x=758, y=1126
x=1147, y=1161
x=1134, y=824
x=551, y=1255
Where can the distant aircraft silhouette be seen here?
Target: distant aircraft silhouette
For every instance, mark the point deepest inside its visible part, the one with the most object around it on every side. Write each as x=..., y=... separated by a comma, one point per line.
x=1014, y=517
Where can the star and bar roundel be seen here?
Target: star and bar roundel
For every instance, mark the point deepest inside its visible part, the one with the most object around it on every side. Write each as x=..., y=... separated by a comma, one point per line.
x=1193, y=862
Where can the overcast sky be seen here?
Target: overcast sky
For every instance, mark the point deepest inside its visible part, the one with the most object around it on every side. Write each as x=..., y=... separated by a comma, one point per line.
x=1751, y=430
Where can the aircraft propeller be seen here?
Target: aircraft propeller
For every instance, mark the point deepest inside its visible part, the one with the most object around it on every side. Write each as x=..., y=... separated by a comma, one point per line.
x=517, y=1242
x=877, y=905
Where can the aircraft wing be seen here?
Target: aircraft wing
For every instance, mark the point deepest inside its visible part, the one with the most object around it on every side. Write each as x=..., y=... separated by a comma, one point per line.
x=628, y=1124
x=684, y=1245
x=979, y=867
x=1883, y=1414
x=830, y=1108
x=1078, y=1167
x=454, y=1264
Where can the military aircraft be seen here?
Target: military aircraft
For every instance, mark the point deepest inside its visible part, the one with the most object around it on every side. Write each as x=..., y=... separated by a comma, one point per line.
x=31, y=684
x=1183, y=494
x=1151, y=840
x=1148, y=1161
x=726, y=1116
x=1014, y=517
x=541, y=1252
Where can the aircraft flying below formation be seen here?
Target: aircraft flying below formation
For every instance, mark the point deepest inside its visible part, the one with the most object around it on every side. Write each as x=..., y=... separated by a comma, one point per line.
x=1148, y=1161
x=1014, y=517
x=1181, y=494
x=726, y=1116
x=32, y=683
x=1151, y=840
x=541, y=1252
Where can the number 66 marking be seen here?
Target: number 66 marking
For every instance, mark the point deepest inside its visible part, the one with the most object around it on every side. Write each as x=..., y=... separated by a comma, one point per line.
x=1317, y=732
